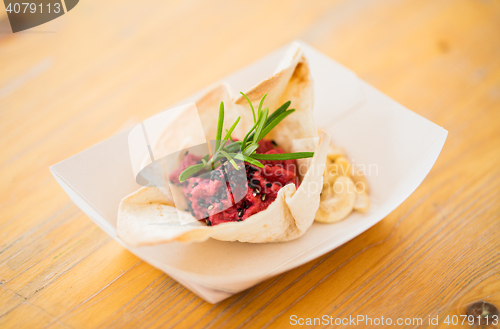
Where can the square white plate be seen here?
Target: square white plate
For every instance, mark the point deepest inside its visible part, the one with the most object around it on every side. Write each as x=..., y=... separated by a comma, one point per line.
x=396, y=147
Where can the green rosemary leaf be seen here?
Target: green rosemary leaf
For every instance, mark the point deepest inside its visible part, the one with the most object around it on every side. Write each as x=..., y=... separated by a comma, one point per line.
x=273, y=115
x=220, y=123
x=283, y=156
x=280, y=110
x=250, y=149
x=243, y=157
x=273, y=124
x=251, y=106
x=233, y=147
x=190, y=171
x=262, y=102
x=230, y=159
x=228, y=134
x=262, y=120
x=247, y=138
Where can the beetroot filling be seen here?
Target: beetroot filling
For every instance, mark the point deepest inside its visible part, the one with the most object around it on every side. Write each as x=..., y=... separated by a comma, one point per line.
x=212, y=199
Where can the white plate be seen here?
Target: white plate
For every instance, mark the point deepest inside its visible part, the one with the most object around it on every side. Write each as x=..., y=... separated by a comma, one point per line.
x=398, y=146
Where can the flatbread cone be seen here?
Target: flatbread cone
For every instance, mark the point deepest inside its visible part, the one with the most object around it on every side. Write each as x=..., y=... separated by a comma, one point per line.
x=148, y=216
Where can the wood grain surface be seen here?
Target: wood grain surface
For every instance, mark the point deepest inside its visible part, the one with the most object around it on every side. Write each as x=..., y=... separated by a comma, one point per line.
x=105, y=65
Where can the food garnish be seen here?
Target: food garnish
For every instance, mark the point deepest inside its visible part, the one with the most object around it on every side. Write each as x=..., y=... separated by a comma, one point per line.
x=240, y=178
x=245, y=150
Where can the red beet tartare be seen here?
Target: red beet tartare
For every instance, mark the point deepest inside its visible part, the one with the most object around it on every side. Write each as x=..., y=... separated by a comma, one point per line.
x=220, y=190
x=211, y=197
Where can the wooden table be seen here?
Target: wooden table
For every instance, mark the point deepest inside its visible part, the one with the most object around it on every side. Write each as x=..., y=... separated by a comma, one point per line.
x=105, y=65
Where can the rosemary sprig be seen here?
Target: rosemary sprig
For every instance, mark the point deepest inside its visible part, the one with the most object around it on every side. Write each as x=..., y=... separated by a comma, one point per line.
x=263, y=124
x=273, y=116
x=283, y=156
x=251, y=106
x=242, y=157
x=191, y=170
x=220, y=123
x=231, y=160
